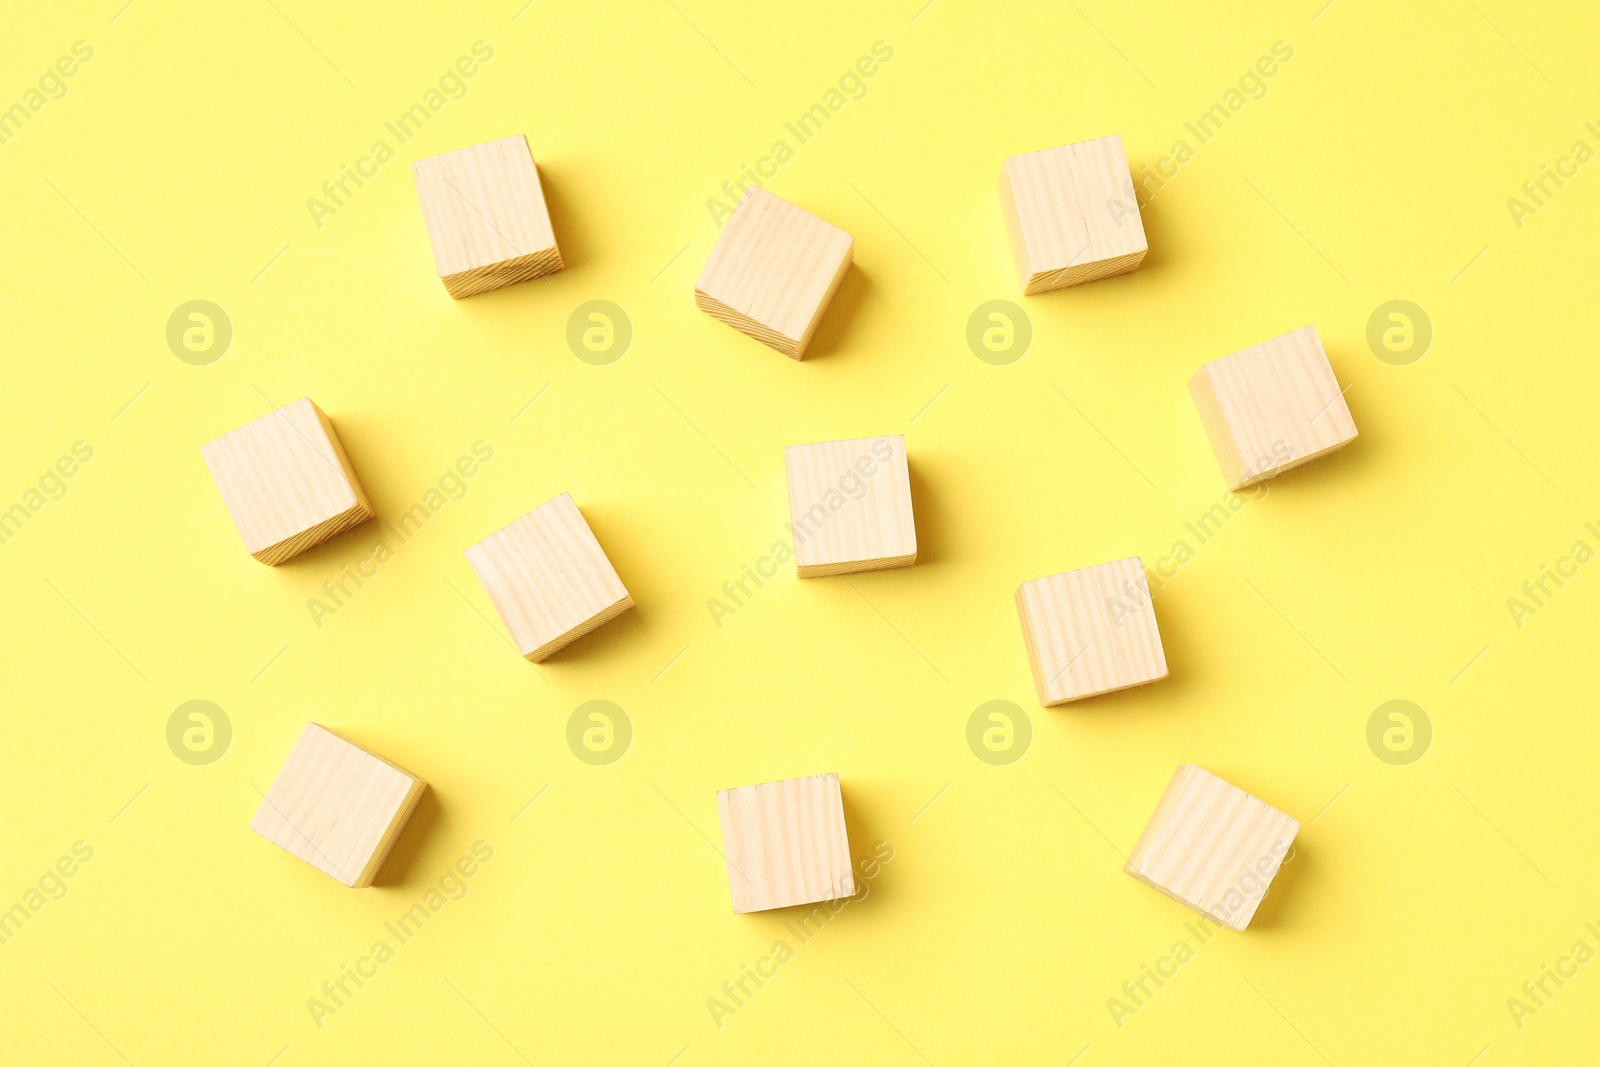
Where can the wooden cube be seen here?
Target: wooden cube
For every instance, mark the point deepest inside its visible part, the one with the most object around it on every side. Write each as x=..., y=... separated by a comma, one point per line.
x=785, y=843
x=1271, y=407
x=286, y=481
x=337, y=806
x=773, y=271
x=1212, y=846
x=486, y=216
x=1071, y=214
x=1090, y=631
x=548, y=578
x=850, y=506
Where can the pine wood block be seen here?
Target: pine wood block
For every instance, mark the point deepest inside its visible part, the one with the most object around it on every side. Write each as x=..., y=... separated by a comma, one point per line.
x=1212, y=847
x=337, y=806
x=850, y=506
x=1090, y=631
x=548, y=578
x=1272, y=407
x=486, y=216
x=1071, y=214
x=785, y=843
x=286, y=481
x=773, y=272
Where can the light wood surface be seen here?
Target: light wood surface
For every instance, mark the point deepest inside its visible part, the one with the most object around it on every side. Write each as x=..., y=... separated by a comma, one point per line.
x=337, y=806
x=1272, y=407
x=773, y=272
x=1090, y=631
x=1212, y=846
x=785, y=843
x=1071, y=215
x=486, y=216
x=548, y=578
x=850, y=506
x=286, y=481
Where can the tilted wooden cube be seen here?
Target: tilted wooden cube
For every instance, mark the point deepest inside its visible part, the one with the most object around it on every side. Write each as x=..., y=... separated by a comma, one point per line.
x=773, y=272
x=337, y=806
x=486, y=216
x=1271, y=407
x=785, y=843
x=1071, y=214
x=548, y=578
x=1090, y=631
x=286, y=481
x=1212, y=847
x=850, y=506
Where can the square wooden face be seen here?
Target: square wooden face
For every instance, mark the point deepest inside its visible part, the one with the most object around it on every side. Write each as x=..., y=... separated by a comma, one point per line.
x=785, y=843
x=850, y=505
x=1091, y=631
x=1071, y=214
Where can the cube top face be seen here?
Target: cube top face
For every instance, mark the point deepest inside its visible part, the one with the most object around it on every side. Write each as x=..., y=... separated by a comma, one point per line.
x=337, y=806
x=1090, y=631
x=1271, y=407
x=850, y=504
x=286, y=482
x=785, y=843
x=548, y=578
x=1071, y=214
x=486, y=216
x=1212, y=846
x=773, y=271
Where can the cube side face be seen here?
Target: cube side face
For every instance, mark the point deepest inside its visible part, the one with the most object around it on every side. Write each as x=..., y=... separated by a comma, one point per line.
x=785, y=843
x=1091, y=631
x=1212, y=847
x=773, y=272
x=1071, y=214
x=850, y=505
x=487, y=219
x=549, y=579
x=1277, y=403
x=286, y=482
x=337, y=806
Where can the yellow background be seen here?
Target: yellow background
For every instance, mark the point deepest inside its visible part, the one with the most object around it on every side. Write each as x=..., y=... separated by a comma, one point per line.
x=1376, y=167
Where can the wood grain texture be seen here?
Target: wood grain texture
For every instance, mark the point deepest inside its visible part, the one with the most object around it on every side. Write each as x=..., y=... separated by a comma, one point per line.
x=548, y=578
x=773, y=272
x=1212, y=846
x=850, y=506
x=1090, y=631
x=1071, y=214
x=1272, y=407
x=337, y=806
x=486, y=216
x=785, y=843
x=286, y=481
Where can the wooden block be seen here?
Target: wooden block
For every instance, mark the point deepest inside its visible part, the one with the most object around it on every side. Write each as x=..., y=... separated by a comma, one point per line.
x=1212, y=846
x=785, y=843
x=1271, y=407
x=337, y=806
x=850, y=506
x=486, y=216
x=773, y=271
x=1090, y=631
x=1071, y=214
x=548, y=578
x=286, y=481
